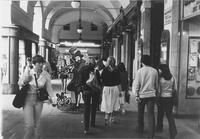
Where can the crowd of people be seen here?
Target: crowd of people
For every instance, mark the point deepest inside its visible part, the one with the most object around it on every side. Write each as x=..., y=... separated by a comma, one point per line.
x=104, y=86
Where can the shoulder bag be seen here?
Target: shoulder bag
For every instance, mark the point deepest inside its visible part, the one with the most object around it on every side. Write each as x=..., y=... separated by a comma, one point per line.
x=93, y=83
x=20, y=96
x=42, y=93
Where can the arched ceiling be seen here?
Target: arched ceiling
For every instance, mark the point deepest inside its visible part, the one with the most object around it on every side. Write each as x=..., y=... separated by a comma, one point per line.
x=99, y=12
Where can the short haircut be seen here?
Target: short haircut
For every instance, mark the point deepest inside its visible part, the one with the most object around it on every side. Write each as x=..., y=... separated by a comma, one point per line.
x=146, y=59
x=37, y=59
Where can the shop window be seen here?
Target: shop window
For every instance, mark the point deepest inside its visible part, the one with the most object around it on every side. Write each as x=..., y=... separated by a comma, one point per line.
x=93, y=27
x=22, y=57
x=164, y=47
x=4, y=64
x=66, y=27
x=193, y=70
x=24, y=4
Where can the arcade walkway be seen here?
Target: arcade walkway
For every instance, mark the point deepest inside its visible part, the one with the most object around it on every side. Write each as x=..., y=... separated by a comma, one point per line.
x=59, y=125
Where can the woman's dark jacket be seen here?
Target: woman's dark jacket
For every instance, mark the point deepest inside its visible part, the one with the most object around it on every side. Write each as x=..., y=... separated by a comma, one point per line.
x=84, y=76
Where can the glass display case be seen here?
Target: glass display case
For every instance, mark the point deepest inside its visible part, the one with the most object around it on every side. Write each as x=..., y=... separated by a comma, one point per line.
x=193, y=70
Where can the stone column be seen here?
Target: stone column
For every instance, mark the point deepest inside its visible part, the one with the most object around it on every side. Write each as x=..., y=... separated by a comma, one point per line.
x=118, y=48
x=111, y=53
x=34, y=49
x=115, y=48
x=42, y=48
x=146, y=25
x=11, y=33
x=126, y=48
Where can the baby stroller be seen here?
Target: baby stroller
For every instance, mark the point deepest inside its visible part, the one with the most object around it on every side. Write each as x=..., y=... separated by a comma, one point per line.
x=64, y=103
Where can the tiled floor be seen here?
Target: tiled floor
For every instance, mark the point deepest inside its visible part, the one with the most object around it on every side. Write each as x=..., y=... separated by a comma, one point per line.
x=60, y=125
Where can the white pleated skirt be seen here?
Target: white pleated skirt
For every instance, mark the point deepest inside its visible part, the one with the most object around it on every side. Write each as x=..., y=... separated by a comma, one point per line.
x=110, y=99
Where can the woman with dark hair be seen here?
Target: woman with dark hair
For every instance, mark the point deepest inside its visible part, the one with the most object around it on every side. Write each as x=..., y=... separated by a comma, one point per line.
x=167, y=90
x=111, y=89
x=124, y=85
x=33, y=106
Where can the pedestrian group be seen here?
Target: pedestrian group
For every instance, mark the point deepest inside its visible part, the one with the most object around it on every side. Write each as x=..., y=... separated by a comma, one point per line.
x=104, y=86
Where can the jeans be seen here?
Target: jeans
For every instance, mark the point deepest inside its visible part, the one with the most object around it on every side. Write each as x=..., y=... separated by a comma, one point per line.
x=150, y=113
x=89, y=108
x=32, y=113
x=165, y=106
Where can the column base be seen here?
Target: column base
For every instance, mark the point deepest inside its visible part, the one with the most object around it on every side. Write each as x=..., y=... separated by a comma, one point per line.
x=9, y=88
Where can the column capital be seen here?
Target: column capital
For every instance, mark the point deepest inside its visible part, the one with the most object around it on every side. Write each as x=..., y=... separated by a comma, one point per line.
x=11, y=30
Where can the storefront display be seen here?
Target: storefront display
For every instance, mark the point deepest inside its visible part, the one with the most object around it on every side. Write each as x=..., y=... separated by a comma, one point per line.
x=4, y=64
x=193, y=76
x=22, y=57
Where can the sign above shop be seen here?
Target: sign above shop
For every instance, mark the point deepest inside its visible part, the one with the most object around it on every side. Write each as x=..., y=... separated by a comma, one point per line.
x=168, y=16
x=191, y=8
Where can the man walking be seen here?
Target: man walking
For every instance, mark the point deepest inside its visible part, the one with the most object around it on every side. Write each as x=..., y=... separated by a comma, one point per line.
x=145, y=86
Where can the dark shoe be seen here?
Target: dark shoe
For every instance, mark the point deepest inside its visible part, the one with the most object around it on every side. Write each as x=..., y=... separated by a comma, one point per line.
x=173, y=136
x=159, y=130
x=93, y=125
x=106, y=121
x=75, y=108
x=150, y=137
x=112, y=119
x=139, y=130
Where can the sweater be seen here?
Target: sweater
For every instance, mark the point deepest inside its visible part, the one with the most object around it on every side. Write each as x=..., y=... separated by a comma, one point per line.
x=110, y=78
x=146, y=82
x=44, y=81
x=166, y=87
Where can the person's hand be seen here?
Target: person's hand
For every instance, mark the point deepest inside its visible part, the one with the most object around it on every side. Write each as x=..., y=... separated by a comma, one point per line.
x=29, y=62
x=137, y=99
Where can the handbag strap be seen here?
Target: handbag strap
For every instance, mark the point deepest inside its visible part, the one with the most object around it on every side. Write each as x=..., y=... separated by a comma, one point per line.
x=36, y=81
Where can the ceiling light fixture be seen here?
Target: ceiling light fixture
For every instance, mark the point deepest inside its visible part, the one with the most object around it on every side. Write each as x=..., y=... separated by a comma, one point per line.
x=79, y=29
x=75, y=4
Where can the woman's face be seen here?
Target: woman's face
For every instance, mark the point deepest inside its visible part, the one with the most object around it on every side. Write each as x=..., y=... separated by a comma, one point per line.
x=38, y=66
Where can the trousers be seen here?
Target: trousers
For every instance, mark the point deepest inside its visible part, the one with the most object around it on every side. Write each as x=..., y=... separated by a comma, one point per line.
x=90, y=108
x=165, y=106
x=32, y=112
x=149, y=102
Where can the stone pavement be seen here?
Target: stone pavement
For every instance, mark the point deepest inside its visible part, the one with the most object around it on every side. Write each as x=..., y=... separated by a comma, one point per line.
x=61, y=125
